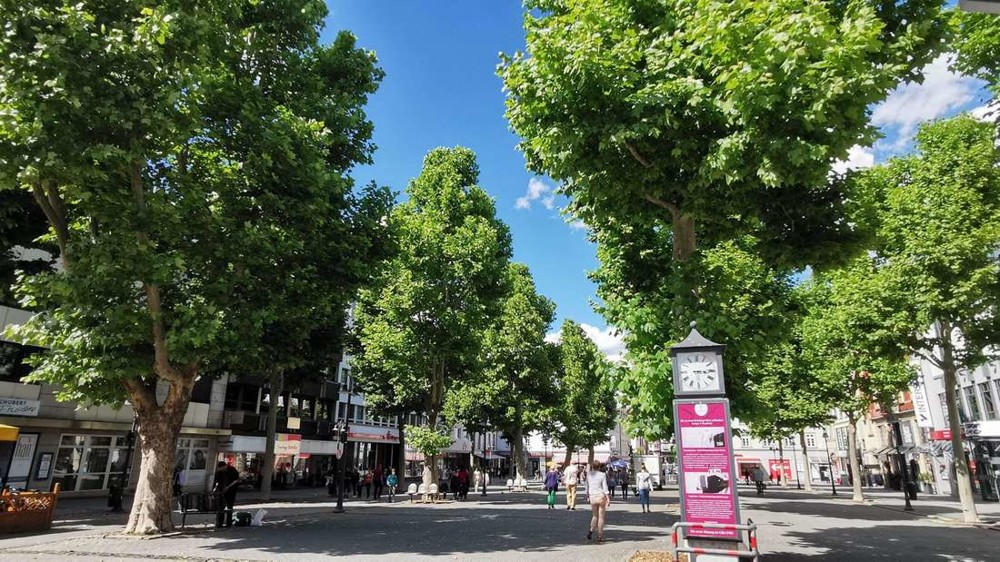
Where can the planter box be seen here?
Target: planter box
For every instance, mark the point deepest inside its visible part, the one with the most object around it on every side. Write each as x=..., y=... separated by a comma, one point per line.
x=27, y=511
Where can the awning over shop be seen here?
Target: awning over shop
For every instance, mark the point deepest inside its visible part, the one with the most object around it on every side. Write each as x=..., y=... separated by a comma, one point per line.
x=8, y=433
x=489, y=457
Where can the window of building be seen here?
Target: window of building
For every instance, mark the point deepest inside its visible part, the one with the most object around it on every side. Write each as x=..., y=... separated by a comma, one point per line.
x=241, y=397
x=841, y=438
x=192, y=461
x=89, y=462
x=810, y=441
x=989, y=406
x=971, y=404
x=745, y=441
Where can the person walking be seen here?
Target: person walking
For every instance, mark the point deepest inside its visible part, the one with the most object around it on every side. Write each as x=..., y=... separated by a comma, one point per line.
x=391, y=482
x=623, y=479
x=227, y=479
x=642, y=483
x=758, y=479
x=612, y=478
x=599, y=497
x=366, y=484
x=571, y=479
x=552, y=484
x=377, y=480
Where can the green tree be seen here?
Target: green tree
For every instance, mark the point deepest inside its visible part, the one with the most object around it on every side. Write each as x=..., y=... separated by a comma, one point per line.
x=126, y=124
x=586, y=412
x=938, y=225
x=518, y=380
x=419, y=327
x=668, y=110
x=659, y=120
x=977, y=41
x=850, y=339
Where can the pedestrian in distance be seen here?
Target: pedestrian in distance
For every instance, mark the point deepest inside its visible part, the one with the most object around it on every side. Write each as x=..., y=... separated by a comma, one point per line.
x=599, y=496
x=377, y=480
x=570, y=480
x=366, y=484
x=642, y=483
x=623, y=479
x=463, y=483
x=391, y=482
x=552, y=485
x=227, y=479
x=612, y=478
x=758, y=479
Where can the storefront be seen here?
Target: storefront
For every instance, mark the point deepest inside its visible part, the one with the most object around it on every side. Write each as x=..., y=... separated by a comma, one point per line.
x=371, y=446
x=298, y=461
x=985, y=462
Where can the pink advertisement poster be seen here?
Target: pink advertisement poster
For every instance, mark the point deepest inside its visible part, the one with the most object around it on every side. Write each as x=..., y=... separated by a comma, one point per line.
x=708, y=493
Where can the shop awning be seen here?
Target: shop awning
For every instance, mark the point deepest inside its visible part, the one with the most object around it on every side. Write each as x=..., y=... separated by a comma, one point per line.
x=8, y=433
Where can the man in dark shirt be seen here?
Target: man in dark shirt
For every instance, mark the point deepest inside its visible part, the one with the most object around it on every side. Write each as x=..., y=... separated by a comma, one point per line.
x=227, y=479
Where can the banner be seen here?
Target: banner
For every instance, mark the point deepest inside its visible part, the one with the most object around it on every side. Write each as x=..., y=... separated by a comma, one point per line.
x=707, y=488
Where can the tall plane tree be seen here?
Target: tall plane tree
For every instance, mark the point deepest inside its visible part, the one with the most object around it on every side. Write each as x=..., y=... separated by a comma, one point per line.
x=676, y=127
x=419, y=327
x=938, y=217
x=518, y=382
x=124, y=121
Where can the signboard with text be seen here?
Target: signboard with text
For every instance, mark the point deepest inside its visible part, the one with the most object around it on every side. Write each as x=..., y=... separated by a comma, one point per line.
x=19, y=407
x=705, y=461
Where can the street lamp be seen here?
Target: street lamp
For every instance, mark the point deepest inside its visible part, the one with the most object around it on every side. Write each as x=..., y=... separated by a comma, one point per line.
x=829, y=457
x=342, y=431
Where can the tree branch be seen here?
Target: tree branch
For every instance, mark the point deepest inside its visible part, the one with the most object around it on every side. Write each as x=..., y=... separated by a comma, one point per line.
x=672, y=207
x=639, y=157
x=51, y=204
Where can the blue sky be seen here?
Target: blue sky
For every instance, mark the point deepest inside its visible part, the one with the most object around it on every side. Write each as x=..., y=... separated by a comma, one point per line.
x=441, y=89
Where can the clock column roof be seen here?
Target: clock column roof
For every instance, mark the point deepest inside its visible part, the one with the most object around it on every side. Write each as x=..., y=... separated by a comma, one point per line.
x=695, y=340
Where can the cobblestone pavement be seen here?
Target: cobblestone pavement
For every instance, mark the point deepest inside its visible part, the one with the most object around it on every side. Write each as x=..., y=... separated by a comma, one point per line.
x=300, y=526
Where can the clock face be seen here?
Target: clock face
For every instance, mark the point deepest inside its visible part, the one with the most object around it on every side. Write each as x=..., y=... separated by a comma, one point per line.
x=699, y=372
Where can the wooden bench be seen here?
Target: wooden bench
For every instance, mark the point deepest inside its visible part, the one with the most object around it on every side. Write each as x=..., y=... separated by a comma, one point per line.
x=200, y=503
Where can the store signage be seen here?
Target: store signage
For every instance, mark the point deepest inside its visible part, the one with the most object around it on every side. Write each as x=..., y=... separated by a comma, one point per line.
x=376, y=434
x=19, y=407
x=24, y=453
x=921, y=408
x=287, y=444
x=982, y=429
x=775, y=467
x=705, y=458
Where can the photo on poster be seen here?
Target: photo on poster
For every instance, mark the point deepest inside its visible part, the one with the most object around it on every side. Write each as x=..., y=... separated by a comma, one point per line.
x=706, y=483
x=703, y=437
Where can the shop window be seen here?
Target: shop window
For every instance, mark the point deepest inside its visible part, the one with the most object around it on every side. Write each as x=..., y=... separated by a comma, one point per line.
x=191, y=461
x=89, y=462
x=971, y=403
x=989, y=407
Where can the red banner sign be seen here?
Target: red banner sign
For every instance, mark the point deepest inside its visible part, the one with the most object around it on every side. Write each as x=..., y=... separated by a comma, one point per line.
x=707, y=487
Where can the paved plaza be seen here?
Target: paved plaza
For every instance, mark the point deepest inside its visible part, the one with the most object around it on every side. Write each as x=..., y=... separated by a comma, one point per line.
x=300, y=526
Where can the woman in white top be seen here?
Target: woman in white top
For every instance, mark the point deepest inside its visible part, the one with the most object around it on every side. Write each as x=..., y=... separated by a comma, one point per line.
x=642, y=483
x=600, y=499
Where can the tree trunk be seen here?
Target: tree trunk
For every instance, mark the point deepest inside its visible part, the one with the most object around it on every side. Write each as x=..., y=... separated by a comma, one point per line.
x=684, y=236
x=963, y=480
x=805, y=462
x=520, y=467
x=277, y=383
x=852, y=459
x=569, y=456
x=782, y=477
x=158, y=428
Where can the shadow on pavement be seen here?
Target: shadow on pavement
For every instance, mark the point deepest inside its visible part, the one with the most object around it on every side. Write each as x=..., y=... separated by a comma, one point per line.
x=889, y=542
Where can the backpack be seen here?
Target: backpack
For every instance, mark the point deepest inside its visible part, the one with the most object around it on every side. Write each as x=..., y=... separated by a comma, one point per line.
x=242, y=519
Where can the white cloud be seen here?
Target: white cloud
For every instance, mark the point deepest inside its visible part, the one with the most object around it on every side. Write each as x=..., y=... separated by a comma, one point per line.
x=858, y=158
x=988, y=112
x=537, y=191
x=909, y=105
x=608, y=340
x=578, y=225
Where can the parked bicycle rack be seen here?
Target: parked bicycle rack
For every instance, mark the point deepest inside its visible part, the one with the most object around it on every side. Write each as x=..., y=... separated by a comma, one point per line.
x=680, y=544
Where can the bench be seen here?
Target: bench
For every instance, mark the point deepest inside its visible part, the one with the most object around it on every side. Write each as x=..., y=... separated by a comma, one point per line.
x=200, y=503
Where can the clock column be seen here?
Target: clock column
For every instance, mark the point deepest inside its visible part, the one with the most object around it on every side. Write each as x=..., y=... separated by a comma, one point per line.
x=707, y=479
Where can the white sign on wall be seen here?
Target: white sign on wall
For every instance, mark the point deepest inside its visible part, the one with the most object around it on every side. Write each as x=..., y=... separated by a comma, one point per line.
x=921, y=408
x=19, y=407
x=24, y=453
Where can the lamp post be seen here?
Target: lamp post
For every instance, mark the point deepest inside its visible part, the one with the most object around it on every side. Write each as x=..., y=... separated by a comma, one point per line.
x=342, y=431
x=829, y=458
